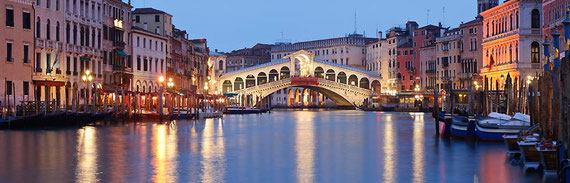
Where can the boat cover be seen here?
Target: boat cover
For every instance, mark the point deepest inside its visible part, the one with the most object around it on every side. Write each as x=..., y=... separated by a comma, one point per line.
x=499, y=116
x=522, y=117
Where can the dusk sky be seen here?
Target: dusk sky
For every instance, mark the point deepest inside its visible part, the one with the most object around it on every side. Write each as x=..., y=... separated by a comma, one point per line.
x=236, y=24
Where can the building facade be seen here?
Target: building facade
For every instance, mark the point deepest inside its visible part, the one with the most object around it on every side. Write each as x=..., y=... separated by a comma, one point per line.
x=149, y=53
x=512, y=34
x=471, y=54
x=248, y=57
x=17, y=44
x=448, y=50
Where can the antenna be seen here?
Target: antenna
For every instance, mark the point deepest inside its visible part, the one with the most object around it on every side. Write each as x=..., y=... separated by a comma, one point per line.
x=355, y=30
x=443, y=16
x=427, y=21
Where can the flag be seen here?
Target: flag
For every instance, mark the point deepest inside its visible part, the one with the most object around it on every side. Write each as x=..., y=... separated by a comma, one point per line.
x=491, y=62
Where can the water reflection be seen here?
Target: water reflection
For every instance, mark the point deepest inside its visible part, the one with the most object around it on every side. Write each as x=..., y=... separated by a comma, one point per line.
x=389, y=150
x=165, y=152
x=87, y=155
x=305, y=146
x=418, y=148
x=213, y=151
x=294, y=146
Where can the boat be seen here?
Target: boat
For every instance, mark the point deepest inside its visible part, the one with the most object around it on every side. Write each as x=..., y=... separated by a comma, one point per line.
x=529, y=152
x=496, y=125
x=511, y=141
x=548, y=156
x=242, y=110
x=463, y=127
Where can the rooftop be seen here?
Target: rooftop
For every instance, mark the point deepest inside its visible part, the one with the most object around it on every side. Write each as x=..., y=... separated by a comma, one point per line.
x=148, y=11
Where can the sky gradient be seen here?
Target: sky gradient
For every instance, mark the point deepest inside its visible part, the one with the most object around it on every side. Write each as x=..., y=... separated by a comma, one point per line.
x=236, y=24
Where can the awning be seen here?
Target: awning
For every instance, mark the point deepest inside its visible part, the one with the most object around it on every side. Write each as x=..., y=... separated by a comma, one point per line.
x=85, y=59
x=183, y=92
x=123, y=54
x=49, y=83
x=230, y=94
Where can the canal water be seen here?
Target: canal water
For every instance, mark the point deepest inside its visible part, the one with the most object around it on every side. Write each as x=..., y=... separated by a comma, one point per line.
x=283, y=146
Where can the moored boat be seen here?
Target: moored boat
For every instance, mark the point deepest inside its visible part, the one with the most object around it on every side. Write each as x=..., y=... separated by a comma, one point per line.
x=463, y=127
x=495, y=126
x=242, y=110
x=548, y=157
x=511, y=141
x=530, y=154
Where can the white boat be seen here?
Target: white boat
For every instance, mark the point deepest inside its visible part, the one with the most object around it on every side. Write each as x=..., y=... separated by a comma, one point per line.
x=496, y=125
x=242, y=110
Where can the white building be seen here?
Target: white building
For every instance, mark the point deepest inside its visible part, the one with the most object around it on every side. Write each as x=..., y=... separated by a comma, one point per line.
x=149, y=53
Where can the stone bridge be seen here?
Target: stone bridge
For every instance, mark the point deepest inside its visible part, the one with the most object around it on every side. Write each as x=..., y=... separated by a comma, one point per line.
x=346, y=86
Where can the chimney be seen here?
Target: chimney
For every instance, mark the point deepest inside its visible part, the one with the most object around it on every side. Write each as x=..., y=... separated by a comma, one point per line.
x=440, y=25
x=379, y=34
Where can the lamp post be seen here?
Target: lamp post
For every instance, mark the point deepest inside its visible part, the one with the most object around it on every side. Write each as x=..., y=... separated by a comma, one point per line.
x=87, y=78
x=161, y=81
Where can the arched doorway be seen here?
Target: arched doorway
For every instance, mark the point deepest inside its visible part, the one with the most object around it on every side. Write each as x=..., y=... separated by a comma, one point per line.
x=227, y=86
x=330, y=75
x=273, y=75
x=364, y=83
x=341, y=78
x=285, y=72
x=353, y=80
x=261, y=78
x=238, y=84
x=376, y=86
x=249, y=81
x=319, y=72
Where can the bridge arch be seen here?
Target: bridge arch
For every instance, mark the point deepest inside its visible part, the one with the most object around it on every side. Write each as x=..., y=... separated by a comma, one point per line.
x=227, y=86
x=376, y=86
x=249, y=81
x=341, y=78
x=364, y=83
x=330, y=75
x=238, y=84
x=285, y=72
x=353, y=80
x=273, y=75
x=319, y=72
x=261, y=78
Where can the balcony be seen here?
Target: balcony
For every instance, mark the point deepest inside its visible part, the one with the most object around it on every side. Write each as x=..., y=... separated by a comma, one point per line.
x=430, y=71
x=445, y=63
x=119, y=44
x=38, y=69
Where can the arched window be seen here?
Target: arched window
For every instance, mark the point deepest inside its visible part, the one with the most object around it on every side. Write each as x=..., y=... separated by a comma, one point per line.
x=57, y=31
x=48, y=30
x=535, y=52
x=535, y=17
x=221, y=65
x=38, y=28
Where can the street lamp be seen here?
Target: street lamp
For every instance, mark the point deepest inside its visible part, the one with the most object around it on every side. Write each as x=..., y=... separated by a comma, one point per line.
x=87, y=78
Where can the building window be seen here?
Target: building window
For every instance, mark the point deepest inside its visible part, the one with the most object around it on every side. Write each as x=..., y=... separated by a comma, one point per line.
x=48, y=63
x=38, y=62
x=26, y=88
x=57, y=32
x=137, y=19
x=9, y=52
x=535, y=17
x=48, y=30
x=10, y=17
x=9, y=88
x=68, y=64
x=535, y=52
x=156, y=18
x=26, y=20
x=26, y=54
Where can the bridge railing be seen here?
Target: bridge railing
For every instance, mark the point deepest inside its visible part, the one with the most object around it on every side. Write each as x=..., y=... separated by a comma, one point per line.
x=347, y=86
x=321, y=81
x=265, y=85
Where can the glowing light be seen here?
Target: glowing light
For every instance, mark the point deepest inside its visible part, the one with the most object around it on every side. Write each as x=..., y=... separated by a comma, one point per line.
x=161, y=79
x=87, y=72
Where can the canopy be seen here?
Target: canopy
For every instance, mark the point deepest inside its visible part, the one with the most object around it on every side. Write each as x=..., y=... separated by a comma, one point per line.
x=123, y=54
x=85, y=59
x=230, y=94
